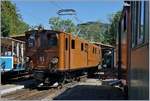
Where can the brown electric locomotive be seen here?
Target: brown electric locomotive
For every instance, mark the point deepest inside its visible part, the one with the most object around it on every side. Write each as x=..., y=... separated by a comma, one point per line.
x=54, y=55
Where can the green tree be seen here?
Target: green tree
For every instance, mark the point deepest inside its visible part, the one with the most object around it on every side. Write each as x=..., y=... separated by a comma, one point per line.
x=62, y=25
x=5, y=28
x=11, y=21
x=92, y=31
x=113, y=29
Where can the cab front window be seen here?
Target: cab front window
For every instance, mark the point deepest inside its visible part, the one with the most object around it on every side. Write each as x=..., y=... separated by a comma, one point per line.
x=31, y=40
x=52, y=40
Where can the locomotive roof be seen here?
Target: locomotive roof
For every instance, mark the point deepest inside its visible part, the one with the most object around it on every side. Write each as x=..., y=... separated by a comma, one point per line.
x=54, y=31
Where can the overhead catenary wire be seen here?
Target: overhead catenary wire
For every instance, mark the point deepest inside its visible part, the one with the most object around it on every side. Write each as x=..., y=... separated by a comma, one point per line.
x=59, y=7
x=55, y=4
x=75, y=16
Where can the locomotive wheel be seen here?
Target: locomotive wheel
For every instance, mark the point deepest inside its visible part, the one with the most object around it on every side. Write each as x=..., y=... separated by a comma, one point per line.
x=77, y=79
x=91, y=74
x=61, y=79
x=59, y=86
x=46, y=80
x=66, y=78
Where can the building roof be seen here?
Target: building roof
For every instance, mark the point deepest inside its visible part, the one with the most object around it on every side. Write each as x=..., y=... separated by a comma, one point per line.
x=104, y=45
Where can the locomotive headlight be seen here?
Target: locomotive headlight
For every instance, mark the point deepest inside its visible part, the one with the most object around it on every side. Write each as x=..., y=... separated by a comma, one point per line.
x=54, y=60
x=27, y=59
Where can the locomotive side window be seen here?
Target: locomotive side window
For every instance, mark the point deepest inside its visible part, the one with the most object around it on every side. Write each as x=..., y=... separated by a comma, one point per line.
x=73, y=44
x=52, y=40
x=81, y=46
x=66, y=43
x=86, y=47
x=93, y=50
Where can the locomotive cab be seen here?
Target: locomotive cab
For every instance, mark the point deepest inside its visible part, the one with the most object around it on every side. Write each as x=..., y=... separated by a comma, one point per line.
x=42, y=51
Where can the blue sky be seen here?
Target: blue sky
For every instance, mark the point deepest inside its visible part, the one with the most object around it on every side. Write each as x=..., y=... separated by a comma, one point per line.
x=35, y=12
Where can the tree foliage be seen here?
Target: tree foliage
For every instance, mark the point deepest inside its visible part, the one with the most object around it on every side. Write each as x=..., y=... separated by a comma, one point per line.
x=92, y=31
x=104, y=33
x=62, y=25
x=113, y=28
x=11, y=21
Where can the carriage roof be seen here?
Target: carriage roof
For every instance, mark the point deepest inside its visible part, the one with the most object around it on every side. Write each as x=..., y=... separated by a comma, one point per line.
x=8, y=41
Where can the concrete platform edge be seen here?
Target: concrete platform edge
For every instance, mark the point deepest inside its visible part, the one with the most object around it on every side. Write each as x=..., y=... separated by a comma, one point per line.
x=9, y=90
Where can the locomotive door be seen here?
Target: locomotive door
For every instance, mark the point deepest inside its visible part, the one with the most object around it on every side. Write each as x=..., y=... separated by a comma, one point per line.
x=67, y=51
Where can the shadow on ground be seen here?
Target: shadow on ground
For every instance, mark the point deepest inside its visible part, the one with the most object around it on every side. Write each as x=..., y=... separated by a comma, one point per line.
x=92, y=92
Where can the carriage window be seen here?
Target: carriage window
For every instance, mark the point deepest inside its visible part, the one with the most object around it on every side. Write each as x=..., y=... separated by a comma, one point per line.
x=81, y=46
x=125, y=23
x=73, y=44
x=52, y=40
x=140, y=37
x=134, y=19
x=95, y=50
x=66, y=43
x=3, y=49
x=137, y=23
x=146, y=21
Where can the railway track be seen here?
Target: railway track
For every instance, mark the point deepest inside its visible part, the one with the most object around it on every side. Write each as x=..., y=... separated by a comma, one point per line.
x=46, y=93
x=17, y=78
x=42, y=93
